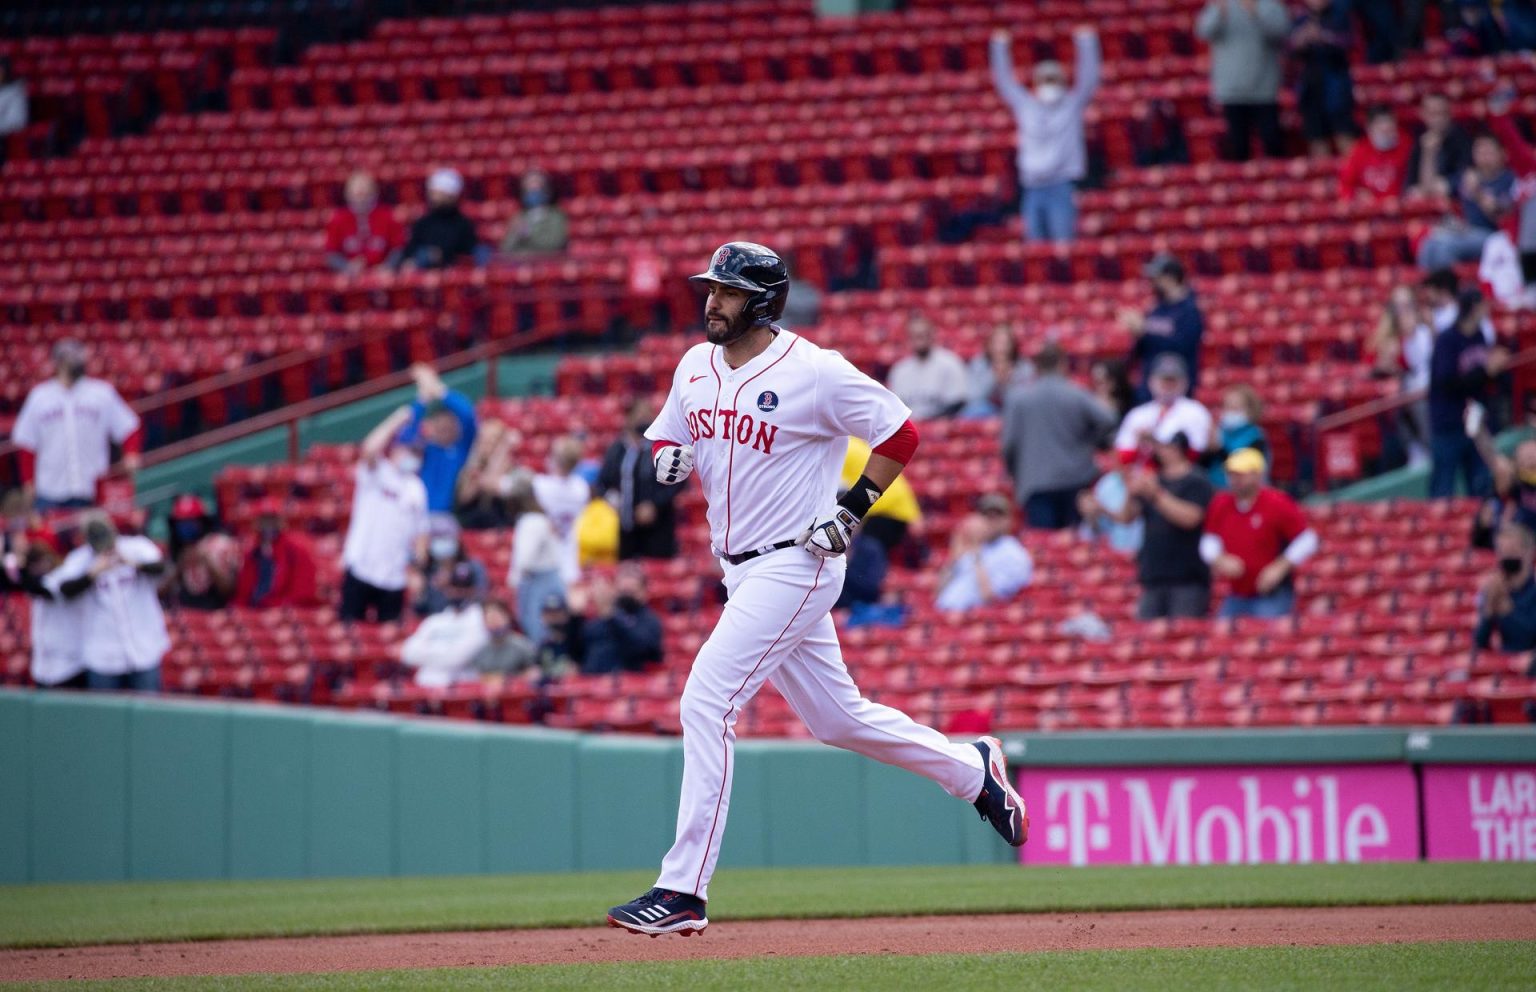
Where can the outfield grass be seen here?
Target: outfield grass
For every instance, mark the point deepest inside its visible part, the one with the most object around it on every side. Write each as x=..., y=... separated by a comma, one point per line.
x=58, y=915
x=1491, y=966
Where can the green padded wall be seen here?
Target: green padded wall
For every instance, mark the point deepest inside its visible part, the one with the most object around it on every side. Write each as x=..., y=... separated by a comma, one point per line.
x=99, y=787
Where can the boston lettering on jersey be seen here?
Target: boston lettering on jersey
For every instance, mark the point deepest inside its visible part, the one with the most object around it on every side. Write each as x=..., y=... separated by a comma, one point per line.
x=732, y=425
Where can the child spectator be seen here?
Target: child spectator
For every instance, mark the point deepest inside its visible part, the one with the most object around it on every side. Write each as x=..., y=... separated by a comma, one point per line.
x=1256, y=537
x=1377, y=167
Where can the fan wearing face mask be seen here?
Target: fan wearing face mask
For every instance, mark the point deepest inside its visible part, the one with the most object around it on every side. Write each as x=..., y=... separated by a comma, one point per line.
x=1052, y=154
x=279, y=565
x=541, y=228
x=389, y=524
x=1506, y=603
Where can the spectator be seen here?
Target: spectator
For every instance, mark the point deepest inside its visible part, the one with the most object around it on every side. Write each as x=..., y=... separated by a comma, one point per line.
x=507, y=651
x=1486, y=196
x=563, y=493
x=930, y=381
x=1239, y=428
x=1441, y=289
x=1174, y=324
x=627, y=480
x=1441, y=152
x=1463, y=368
x=885, y=527
x=122, y=631
x=987, y=564
x=1111, y=383
x=1376, y=168
x=1050, y=430
x=538, y=558
x=1157, y=135
x=207, y=562
x=1506, y=603
x=1169, y=412
x=1403, y=345
x=445, y=556
x=996, y=369
x=445, y=646
x=1320, y=42
x=13, y=103
x=1520, y=225
x=623, y=634
x=802, y=308
x=389, y=524
x=55, y=625
x=1171, y=502
x=480, y=496
x=1103, y=507
x=1247, y=38
x=66, y=429
x=1514, y=489
x=279, y=566
x=1256, y=537
x=364, y=233
x=560, y=647
x=1052, y=155
x=444, y=421
x=442, y=236
x=541, y=228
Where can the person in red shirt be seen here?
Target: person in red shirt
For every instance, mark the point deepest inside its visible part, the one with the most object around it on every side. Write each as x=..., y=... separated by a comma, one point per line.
x=1255, y=537
x=279, y=566
x=364, y=233
x=1377, y=167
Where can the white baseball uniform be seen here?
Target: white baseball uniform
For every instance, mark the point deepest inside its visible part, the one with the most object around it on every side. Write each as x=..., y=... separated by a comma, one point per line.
x=389, y=511
x=563, y=498
x=70, y=429
x=56, y=627
x=769, y=440
x=1162, y=421
x=121, y=627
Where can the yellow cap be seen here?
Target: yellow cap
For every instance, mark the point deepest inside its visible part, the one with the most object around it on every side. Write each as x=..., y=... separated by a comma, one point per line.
x=1245, y=460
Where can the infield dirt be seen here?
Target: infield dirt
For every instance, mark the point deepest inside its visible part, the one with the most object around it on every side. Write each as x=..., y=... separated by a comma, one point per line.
x=787, y=938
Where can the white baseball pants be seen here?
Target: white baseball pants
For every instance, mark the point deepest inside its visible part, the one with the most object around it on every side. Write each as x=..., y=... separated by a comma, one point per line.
x=777, y=626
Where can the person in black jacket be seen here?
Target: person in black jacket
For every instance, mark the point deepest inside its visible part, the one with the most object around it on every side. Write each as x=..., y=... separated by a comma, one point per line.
x=443, y=235
x=1462, y=370
x=647, y=517
x=1441, y=152
x=623, y=634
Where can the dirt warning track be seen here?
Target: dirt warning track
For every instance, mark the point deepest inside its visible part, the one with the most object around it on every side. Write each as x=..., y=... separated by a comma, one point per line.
x=728, y=938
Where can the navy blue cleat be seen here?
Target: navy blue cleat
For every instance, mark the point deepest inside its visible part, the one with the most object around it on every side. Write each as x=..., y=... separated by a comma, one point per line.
x=661, y=911
x=998, y=802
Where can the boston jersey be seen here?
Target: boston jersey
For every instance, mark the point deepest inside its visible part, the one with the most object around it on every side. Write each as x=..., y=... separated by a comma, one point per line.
x=769, y=437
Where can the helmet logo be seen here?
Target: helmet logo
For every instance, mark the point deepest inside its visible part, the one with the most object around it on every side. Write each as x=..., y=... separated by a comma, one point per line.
x=723, y=254
x=768, y=401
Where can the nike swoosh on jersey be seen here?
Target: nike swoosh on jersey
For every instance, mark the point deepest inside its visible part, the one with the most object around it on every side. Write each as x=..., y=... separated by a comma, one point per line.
x=697, y=378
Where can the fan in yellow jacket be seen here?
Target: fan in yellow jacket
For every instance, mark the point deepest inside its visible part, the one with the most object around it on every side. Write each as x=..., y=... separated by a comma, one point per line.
x=897, y=506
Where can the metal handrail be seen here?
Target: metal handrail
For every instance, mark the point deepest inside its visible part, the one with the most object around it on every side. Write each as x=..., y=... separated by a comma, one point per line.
x=1388, y=404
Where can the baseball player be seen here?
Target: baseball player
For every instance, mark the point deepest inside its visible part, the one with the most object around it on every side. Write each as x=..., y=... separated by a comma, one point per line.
x=764, y=416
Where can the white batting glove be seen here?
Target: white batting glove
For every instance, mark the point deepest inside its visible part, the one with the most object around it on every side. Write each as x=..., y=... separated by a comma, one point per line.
x=830, y=538
x=674, y=463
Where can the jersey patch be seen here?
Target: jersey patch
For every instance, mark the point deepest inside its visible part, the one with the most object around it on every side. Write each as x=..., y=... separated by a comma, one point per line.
x=768, y=401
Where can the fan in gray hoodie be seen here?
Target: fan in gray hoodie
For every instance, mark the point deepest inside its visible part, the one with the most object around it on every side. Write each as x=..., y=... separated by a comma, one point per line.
x=1052, y=155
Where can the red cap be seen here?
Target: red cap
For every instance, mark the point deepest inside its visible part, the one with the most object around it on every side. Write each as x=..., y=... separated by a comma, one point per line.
x=188, y=507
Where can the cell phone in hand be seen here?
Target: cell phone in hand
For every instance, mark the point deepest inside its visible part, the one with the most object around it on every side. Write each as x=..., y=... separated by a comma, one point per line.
x=1476, y=414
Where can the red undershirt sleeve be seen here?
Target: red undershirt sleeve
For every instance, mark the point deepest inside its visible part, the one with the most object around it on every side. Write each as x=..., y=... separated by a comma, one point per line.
x=133, y=444
x=26, y=459
x=656, y=447
x=901, y=445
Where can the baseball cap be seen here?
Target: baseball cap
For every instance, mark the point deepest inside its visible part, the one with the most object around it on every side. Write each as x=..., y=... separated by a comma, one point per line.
x=1163, y=264
x=446, y=181
x=1170, y=364
x=993, y=503
x=553, y=602
x=189, y=506
x=1245, y=460
x=462, y=576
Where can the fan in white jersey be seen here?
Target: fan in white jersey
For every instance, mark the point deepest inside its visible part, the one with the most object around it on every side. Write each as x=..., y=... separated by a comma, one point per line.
x=763, y=417
x=55, y=622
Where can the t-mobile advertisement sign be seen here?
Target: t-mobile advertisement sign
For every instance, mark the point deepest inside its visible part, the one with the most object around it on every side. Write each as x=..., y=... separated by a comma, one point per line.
x=1480, y=812
x=1216, y=815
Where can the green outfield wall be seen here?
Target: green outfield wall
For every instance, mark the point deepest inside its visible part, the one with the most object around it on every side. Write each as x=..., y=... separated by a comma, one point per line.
x=97, y=787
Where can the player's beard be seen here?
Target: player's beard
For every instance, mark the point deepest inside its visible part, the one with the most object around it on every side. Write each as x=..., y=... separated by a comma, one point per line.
x=734, y=330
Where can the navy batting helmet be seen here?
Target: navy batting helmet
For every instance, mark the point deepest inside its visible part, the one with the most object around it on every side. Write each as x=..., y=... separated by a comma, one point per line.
x=756, y=269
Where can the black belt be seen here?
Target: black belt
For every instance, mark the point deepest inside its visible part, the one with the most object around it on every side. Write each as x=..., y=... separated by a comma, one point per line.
x=749, y=555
